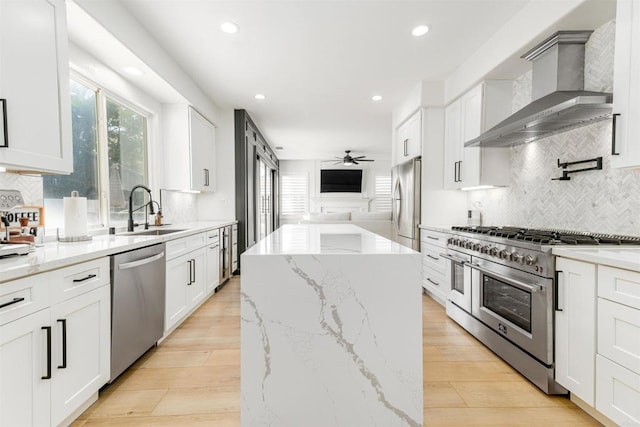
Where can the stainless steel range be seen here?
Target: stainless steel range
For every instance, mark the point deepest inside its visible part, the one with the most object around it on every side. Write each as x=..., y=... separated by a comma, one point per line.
x=503, y=292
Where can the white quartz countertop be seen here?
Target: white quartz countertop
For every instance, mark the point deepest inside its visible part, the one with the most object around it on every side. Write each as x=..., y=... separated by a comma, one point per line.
x=620, y=257
x=55, y=255
x=344, y=239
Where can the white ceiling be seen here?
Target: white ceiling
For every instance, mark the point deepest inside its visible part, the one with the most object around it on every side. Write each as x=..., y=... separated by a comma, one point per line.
x=319, y=62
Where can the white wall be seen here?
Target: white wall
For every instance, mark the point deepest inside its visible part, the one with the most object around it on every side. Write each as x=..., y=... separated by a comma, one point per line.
x=117, y=20
x=312, y=169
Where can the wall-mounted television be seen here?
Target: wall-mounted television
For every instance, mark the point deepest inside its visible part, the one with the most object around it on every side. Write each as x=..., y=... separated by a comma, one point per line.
x=341, y=180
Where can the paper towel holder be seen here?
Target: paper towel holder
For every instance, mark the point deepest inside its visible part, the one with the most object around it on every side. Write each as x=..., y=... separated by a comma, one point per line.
x=72, y=239
x=65, y=239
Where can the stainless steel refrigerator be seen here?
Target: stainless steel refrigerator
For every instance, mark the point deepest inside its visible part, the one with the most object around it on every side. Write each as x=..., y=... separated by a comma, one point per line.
x=406, y=202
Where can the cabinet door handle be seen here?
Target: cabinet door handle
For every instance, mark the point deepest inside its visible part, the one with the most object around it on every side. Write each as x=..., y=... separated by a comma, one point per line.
x=613, y=135
x=90, y=276
x=455, y=172
x=406, y=141
x=459, y=171
x=193, y=270
x=190, y=281
x=5, y=142
x=64, y=343
x=556, y=291
x=13, y=301
x=433, y=282
x=433, y=257
x=48, y=376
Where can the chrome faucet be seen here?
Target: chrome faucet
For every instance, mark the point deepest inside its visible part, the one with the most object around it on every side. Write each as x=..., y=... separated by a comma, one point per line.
x=130, y=223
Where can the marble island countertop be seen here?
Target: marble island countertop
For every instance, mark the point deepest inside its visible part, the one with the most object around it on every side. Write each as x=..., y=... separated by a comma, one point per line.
x=316, y=239
x=53, y=255
x=614, y=256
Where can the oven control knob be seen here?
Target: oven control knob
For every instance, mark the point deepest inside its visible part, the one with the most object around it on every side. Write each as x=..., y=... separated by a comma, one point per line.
x=485, y=249
x=529, y=260
x=462, y=243
x=493, y=251
x=504, y=254
x=515, y=256
x=477, y=247
x=469, y=245
x=450, y=241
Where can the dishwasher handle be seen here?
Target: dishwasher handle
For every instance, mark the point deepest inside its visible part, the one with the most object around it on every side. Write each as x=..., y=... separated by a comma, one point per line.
x=140, y=262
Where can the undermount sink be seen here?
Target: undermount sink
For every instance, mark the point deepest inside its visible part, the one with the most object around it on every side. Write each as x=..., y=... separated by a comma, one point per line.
x=159, y=232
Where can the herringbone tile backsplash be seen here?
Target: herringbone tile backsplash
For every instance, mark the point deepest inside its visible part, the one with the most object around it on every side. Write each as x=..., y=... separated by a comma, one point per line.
x=606, y=200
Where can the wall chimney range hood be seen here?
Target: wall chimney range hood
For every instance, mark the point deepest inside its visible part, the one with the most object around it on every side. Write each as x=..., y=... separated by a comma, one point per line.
x=560, y=102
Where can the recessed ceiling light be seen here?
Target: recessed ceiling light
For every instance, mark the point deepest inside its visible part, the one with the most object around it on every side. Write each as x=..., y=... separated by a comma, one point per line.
x=420, y=30
x=229, y=27
x=260, y=97
x=133, y=71
x=376, y=98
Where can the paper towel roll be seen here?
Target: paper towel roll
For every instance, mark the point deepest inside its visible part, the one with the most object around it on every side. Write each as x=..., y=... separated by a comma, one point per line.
x=75, y=215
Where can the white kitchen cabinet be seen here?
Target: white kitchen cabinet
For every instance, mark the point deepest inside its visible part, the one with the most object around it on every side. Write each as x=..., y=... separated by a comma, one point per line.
x=25, y=397
x=435, y=275
x=186, y=277
x=53, y=360
x=618, y=392
x=81, y=354
x=626, y=86
x=476, y=111
x=34, y=87
x=409, y=138
x=575, y=328
x=213, y=261
x=189, y=149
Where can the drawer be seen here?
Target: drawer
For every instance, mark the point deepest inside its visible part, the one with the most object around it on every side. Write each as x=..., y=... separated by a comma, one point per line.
x=213, y=235
x=434, y=279
x=431, y=258
x=19, y=298
x=617, y=392
x=178, y=247
x=619, y=285
x=435, y=238
x=77, y=279
x=619, y=334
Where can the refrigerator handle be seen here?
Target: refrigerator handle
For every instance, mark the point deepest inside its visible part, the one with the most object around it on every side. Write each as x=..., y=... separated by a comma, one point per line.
x=397, y=206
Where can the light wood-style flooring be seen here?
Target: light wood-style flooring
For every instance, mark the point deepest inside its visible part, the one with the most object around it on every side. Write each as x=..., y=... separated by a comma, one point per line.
x=193, y=378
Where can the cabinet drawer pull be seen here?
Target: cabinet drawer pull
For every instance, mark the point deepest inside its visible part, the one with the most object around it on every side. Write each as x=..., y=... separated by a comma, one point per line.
x=13, y=301
x=556, y=291
x=48, y=329
x=435, y=283
x=5, y=142
x=64, y=344
x=433, y=238
x=90, y=276
x=433, y=257
x=213, y=247
x=613, y=135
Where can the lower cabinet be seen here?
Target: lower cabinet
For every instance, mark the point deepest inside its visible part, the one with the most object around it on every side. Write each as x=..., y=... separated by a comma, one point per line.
x=575, y=329
x=25, y=396
x=52, y=361
x=618, y=393
x=213, y=266
x=185, y=286
x=81, y=353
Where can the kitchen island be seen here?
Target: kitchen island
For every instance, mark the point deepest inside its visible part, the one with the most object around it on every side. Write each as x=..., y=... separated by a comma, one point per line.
x=331, y=331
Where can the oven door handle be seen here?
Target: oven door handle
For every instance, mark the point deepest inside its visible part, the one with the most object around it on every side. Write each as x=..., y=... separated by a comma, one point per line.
x=514, y=282
x=454, y=259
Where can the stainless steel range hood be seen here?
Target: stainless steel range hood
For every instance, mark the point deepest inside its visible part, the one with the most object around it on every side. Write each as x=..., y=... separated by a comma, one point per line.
x=560, y=101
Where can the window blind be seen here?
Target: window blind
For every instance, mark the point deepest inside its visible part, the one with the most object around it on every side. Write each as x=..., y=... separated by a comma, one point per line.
x=294, y=193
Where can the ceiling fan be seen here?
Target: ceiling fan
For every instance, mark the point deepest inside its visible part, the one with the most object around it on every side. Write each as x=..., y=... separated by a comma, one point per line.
x=348, y=160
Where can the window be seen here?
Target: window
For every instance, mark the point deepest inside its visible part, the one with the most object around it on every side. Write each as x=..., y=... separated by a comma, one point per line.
x=383, y=192
x=294, y=194
x=84, y=178
x=105, y=161
x=127, y=153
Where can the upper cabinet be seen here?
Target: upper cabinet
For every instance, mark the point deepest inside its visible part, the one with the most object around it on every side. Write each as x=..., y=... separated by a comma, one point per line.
x=35, y=116
x=476, y=111
x=626, y=86
x=189, y=146
x=409, y=139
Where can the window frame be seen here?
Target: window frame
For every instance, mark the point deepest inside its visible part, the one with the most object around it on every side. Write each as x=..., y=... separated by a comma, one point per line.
x=102, y=94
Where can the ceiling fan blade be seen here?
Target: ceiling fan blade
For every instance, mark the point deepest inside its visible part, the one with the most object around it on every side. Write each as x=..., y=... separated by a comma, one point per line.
x=365, y=160
x=359, y=157
x=338, y=163
x=354, y=162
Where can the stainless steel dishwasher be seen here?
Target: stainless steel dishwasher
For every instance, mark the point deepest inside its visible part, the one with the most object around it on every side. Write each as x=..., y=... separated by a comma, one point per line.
x=137, y=304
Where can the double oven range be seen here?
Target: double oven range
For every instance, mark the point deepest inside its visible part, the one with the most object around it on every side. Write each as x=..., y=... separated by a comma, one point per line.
x=503, y=292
